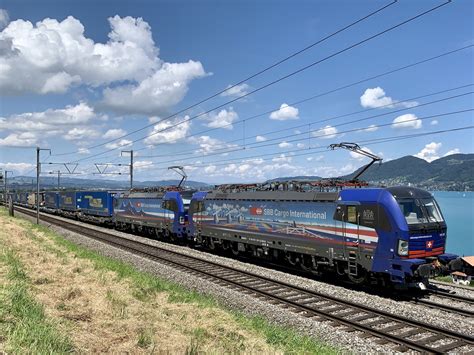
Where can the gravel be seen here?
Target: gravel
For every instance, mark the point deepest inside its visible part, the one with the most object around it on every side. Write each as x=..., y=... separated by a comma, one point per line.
x=252, y=306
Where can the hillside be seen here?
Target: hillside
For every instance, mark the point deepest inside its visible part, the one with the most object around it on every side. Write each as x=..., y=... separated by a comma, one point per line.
x=49, y=182
x=454, y=172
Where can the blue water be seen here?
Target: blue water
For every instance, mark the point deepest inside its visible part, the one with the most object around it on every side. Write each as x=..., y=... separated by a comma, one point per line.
x=458, y=210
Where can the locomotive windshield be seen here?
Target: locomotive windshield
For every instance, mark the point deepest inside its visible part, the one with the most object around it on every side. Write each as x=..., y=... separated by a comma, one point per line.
x=423, y=210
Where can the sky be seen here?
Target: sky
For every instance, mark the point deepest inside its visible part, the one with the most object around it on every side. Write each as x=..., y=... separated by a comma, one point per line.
x=90, y=79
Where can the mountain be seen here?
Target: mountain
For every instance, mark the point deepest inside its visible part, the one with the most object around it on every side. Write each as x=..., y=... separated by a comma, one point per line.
x=297, y=178
x=454, y=172
x=50, y=182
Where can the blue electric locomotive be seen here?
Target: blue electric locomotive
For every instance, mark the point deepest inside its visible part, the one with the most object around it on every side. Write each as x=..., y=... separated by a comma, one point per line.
x=161, y=214
x=393, y=236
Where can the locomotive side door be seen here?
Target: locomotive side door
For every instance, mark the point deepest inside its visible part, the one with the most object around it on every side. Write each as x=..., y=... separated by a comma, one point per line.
x=348, y=218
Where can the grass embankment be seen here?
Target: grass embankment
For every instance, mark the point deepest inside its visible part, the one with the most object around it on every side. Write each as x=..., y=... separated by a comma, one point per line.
x=59, y=297
x=450, y=280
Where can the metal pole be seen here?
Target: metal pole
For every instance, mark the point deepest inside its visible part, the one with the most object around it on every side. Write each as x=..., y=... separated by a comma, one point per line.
x=59, y=177
x=131, y=170
x=6, y=184
x=38, y=168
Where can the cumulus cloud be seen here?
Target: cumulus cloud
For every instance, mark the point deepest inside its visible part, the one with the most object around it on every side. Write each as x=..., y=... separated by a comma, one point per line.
x=371, y=128
x=81, y=134
x=452, y=151
x=326, y=132
x=207, y=144
x=119, y=144
x=168, y=132
x=155, y=94
x=83, y=151
x=17, y=167
x=430, y=152
x=51, y=119
x=260, y=139
x=282, y=158
x=25, y=139
x=408, y=120
x=285, y=113
x=376, y=97
x=114, y=133
x=58, y=55
x=285, y=144
x=434, y=122
x=74, y=123
x=359, y=156
x=237, y=90
x=4, y=18
x=222, y=119
x=142, y=164
x=210, y=169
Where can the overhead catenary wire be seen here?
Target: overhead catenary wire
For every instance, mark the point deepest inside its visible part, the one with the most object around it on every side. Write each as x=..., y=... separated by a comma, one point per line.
x=315, y=63
x=296, y=103
x=311, y=151
x=306, y=124
x=254, y=75
x=338, y=133
x=304, y=137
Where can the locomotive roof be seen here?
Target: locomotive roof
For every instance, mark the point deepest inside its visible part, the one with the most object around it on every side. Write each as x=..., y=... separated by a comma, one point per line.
x=408, y=192
x=273, y=195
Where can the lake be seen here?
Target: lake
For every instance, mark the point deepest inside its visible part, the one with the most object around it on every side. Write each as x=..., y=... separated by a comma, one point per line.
x=458, y=210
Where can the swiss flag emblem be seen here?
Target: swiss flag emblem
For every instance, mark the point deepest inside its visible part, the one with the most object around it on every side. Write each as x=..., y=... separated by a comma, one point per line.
x=429, y=244
x=256, y=211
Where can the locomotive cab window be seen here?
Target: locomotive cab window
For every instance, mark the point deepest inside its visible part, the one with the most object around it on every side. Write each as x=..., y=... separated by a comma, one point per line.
x=416, y=211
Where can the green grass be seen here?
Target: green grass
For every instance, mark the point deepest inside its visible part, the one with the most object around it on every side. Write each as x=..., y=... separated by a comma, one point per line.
x=145, y=285
x=22, y=320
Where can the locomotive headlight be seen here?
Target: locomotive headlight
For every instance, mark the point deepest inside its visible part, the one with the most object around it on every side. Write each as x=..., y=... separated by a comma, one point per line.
x=402, y=247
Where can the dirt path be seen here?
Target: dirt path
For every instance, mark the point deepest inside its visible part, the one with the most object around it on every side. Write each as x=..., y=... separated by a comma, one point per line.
x=102, y=312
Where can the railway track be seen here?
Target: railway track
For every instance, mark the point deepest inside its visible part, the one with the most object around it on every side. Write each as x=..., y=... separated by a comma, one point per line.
x=373, y=323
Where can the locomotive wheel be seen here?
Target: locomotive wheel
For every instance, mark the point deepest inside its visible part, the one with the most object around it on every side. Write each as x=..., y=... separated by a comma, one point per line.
x=292, y=259
x=235, y=248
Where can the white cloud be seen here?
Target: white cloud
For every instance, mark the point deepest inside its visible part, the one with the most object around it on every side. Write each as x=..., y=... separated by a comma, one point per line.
x=408, y=120
x=237, y=90
x=371, y=128
x=17, y=167
x=114, y=133
x=207, y=144
x=222, y=119
x=83, y=151
x=285, y=113
x=4, y=18
x=155, y=94
x=51, y=119
x=434, y=122
x=81, y=134
x=326, y=132
x=282, y=158
x=376, y=97
x=452, y=151
x=142, y=164
x=121, y=143
x=300, y=145
x=210, y=169
x=360, y=156
x=260, y=139
x=25, y=139
x=168, y=132
x=58, y=55
x=285, y=144
x=429, y=152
